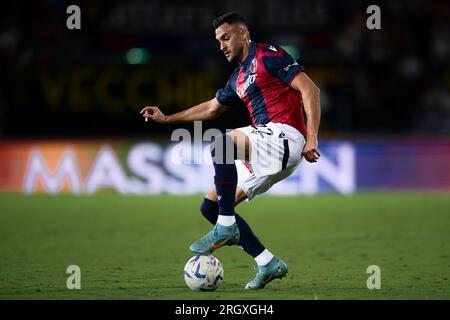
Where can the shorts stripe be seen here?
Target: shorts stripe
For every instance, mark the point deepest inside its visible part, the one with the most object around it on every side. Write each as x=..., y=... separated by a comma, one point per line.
x=246, y=165
x=285, y=154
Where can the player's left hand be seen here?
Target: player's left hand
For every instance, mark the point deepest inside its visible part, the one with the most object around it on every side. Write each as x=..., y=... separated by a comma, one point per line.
x=310, y=151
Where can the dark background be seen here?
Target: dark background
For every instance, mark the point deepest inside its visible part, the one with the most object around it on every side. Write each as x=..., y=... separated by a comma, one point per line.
x=57, y=82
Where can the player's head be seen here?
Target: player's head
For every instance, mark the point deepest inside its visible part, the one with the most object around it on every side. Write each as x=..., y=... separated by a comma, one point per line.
x=232, y=34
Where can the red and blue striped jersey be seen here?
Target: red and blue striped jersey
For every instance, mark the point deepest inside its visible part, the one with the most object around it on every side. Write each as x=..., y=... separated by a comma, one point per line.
x=262, y=82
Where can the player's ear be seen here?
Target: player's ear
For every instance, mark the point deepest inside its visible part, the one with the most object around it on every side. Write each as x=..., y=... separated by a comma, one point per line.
x=242, y=33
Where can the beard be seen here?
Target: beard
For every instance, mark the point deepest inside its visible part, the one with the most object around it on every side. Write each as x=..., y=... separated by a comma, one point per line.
x=235, y=56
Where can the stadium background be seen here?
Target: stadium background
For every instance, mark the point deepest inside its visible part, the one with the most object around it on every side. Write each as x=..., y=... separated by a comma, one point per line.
x=69, y=124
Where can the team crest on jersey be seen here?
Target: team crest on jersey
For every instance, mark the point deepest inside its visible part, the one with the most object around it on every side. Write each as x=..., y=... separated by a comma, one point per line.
x=253, y=66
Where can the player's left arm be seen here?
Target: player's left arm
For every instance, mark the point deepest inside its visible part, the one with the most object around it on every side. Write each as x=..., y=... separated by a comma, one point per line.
x=311, y=103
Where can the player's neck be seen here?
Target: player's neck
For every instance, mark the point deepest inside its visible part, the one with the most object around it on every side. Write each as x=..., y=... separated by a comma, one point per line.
x=245, y=51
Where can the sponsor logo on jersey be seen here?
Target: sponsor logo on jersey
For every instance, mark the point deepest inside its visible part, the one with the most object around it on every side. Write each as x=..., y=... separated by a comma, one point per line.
x=250, y=79
x=290, y=65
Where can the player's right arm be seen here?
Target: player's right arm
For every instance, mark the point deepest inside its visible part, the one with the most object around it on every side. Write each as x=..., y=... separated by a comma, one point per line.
x=204, y=111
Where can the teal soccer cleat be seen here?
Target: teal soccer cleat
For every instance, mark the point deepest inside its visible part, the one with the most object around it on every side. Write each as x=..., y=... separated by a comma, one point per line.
x=275, y=269
x=216, y=238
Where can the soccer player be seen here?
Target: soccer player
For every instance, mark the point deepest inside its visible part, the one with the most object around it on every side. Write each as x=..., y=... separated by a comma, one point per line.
x=277, y=93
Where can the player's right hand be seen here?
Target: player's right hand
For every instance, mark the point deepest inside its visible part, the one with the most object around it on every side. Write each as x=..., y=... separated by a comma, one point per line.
x=153, y=113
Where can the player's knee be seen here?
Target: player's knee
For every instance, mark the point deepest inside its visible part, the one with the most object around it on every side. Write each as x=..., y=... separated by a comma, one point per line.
x=210, y=210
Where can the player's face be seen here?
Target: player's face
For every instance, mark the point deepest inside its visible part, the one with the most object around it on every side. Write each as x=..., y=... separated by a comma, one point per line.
x=230, y=41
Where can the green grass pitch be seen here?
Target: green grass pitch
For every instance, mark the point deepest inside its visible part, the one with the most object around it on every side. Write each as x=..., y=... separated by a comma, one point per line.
x=135, y=247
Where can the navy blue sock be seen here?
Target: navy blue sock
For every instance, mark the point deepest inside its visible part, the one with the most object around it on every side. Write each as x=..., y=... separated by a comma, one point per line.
x=210, y=210
x=248, y=241
x=223, y=152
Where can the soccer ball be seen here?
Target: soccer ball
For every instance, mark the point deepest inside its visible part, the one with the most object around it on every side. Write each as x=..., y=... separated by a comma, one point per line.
x=203, y=273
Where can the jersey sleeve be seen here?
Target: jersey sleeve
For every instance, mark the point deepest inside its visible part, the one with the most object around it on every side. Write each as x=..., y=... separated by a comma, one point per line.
x=280, y=64
x=227, y=95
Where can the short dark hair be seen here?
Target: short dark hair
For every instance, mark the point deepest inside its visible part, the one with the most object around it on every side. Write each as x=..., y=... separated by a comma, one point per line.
x=230, y=17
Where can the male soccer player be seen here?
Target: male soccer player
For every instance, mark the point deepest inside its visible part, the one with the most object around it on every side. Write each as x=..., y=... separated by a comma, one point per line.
x=277, y=93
